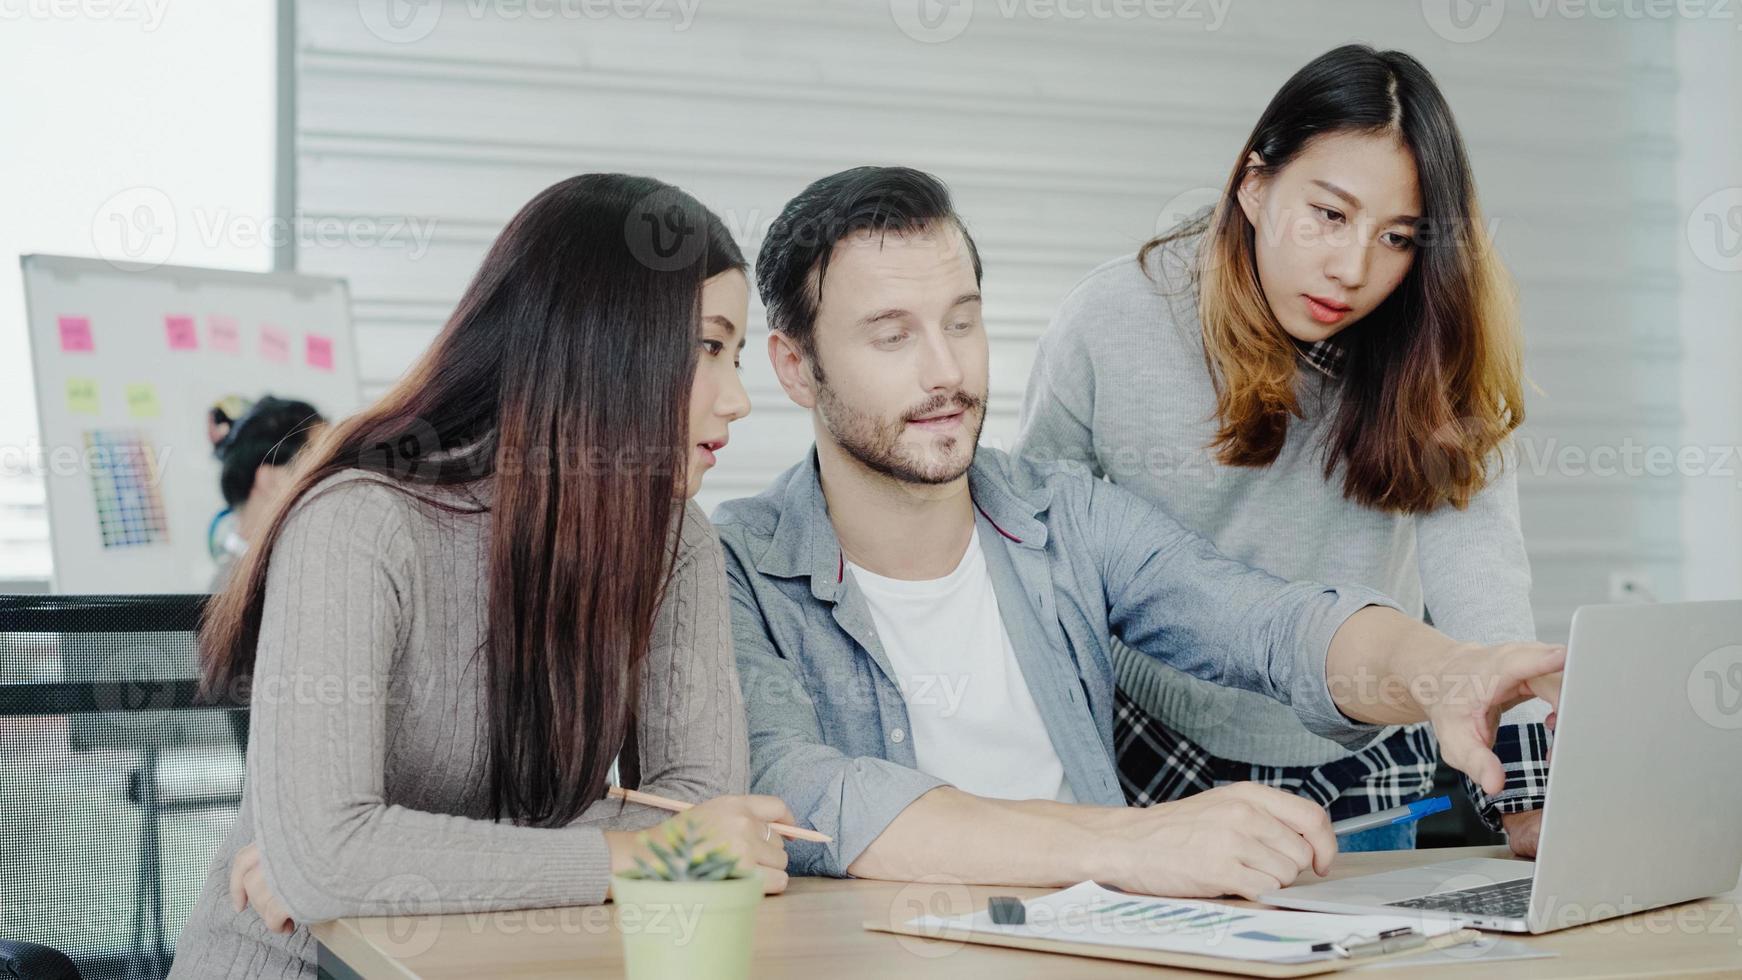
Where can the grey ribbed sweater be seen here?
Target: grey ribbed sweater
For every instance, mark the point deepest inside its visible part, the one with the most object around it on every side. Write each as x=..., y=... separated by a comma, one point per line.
x=1119, y=382
x=367, y=784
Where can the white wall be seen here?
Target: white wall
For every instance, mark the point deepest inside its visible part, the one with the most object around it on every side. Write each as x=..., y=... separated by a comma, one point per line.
x=1709, y=195
x=133, y=131
x=1064, y=139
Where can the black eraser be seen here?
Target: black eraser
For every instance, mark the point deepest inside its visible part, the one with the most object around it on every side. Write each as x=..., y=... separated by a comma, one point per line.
x=1007, y=911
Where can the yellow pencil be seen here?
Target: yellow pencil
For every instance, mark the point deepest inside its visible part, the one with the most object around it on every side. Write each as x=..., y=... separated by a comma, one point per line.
x=679, y=806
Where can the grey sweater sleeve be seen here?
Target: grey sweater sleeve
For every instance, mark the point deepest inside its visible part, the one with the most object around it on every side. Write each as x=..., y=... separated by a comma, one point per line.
x=691, y=729
x=1475, y=574
x=337, y=599
x=691, y=725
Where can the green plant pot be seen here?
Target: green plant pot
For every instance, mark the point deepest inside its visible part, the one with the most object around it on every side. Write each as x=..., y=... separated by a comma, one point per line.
x=677, y=930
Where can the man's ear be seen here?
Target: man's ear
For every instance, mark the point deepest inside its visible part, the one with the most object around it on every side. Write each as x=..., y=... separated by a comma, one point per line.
x=793, y=370
x=1251, y=190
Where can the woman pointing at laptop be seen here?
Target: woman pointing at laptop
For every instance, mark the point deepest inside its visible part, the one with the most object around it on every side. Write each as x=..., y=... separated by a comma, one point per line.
x=1321, y=374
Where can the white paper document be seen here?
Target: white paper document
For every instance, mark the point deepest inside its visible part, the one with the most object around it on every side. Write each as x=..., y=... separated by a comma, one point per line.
x=1488, y=949
x=1089, y=913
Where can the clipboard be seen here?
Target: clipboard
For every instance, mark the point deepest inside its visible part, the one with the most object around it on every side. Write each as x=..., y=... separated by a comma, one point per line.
x=1382, y=947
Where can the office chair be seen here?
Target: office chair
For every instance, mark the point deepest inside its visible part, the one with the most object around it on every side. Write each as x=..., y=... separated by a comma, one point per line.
x=118, y=786
x=29, y=961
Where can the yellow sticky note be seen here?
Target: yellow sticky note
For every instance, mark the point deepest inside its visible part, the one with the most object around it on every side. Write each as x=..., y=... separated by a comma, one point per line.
x=82, y=396
x=142, y=401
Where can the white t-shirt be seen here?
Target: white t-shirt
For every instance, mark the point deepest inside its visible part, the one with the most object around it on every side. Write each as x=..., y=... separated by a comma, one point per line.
x=971, y=717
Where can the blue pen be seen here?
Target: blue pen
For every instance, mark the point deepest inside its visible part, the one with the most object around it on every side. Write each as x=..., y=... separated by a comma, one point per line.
x=1397, y=814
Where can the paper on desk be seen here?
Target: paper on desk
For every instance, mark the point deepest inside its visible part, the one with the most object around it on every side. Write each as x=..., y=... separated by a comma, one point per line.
x=1089, y=913
x=1488, y=949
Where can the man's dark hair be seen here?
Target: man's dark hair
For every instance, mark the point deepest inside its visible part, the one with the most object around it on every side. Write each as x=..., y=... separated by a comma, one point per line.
x=877, y=200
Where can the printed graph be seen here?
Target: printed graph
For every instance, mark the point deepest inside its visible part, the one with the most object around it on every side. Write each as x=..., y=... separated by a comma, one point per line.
x=1175, y=919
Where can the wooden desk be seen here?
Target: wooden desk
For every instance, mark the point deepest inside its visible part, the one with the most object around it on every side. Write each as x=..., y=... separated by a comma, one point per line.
x=814, y=932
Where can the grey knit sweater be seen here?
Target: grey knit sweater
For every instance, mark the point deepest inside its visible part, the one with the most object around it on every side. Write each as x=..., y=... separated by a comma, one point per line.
x=367, y=784
x=1119, y=382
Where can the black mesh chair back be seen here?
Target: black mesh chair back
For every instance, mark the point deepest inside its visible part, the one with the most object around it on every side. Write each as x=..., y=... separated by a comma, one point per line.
x=115, y=786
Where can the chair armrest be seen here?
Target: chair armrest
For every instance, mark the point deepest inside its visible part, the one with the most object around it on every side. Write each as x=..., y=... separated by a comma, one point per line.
x=29, y=961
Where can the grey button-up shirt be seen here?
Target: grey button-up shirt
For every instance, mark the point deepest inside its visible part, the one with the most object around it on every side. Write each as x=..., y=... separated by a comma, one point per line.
x=1073, y=561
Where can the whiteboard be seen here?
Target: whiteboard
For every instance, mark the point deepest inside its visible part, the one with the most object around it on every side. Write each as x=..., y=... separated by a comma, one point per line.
x=128, y=363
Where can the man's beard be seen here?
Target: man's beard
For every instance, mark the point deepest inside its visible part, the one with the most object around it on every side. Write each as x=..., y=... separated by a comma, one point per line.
x=878, y=446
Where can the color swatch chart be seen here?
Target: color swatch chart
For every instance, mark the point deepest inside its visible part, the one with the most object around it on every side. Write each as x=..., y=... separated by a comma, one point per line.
x=127, y=488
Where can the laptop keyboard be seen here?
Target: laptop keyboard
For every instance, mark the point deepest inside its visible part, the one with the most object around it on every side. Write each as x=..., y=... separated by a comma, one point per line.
x=1505, y=900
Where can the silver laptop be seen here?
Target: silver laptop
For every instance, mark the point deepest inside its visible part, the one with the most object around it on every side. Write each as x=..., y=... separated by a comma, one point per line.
x=1644, y=793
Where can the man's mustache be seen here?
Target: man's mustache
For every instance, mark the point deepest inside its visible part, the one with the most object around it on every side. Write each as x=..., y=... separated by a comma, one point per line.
x=963, y=400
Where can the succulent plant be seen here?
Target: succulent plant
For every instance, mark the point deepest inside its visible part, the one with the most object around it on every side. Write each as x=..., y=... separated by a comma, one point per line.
x=684, y=857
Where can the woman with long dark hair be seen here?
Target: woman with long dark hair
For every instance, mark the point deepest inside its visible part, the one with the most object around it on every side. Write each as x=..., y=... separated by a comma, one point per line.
x=1321, y=373
x=477, y=588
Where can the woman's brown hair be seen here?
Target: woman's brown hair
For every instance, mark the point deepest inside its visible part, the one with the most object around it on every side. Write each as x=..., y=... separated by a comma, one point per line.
x=1432, y=383
x=563, y=377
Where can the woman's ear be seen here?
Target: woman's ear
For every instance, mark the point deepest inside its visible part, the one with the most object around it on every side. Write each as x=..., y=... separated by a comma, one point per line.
x=1251, y=189
x=793, y=369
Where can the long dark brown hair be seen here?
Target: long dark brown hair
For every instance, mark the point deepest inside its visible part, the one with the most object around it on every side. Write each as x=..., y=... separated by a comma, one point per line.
x=563, y=377
x=1433, y=383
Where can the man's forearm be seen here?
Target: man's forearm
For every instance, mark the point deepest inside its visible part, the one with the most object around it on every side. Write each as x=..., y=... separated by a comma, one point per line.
x=992, y=842
x=1376, y=661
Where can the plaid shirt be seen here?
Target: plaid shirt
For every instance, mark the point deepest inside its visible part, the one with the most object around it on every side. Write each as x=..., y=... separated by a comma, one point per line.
x=1327, y=356
x=1157, y=765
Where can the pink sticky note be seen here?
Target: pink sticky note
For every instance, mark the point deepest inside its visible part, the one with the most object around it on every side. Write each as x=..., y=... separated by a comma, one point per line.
x=75, y=334
x=274, y=344
x=226, y=334
x=181, y=333
x=320, y=352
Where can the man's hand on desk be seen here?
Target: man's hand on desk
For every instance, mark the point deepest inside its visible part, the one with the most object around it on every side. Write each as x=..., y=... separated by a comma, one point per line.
x=1242, y=839
x=1383, y=668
